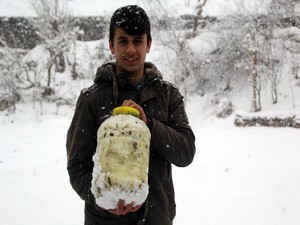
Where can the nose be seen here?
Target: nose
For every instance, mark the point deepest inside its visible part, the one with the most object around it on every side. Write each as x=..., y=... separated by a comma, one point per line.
x=130, y=48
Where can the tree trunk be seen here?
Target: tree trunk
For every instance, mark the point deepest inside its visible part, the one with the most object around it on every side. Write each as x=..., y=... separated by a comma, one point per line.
x=49, y=74
x=198, y=16
x=258, y=100
x=256, y=103
x=274, y=93
x=254, y=96
x=60, y=64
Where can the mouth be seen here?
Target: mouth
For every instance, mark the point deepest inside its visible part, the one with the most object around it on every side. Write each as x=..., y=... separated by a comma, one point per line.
x=130, y=59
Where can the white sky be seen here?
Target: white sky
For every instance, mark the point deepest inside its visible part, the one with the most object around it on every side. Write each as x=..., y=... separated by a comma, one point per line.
x=105, y=7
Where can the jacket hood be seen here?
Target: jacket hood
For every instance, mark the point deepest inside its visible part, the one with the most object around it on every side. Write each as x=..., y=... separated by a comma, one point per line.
x=106, y=73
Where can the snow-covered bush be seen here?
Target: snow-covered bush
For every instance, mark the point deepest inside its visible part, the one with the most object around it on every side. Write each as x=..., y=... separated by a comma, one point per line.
x=10, y=77
x=222, y=107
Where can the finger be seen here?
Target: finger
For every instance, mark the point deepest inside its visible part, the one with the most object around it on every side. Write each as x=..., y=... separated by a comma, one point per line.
x=120, y=205
x=125, y=103
x=130, y=207
x=132, y=104
x=120, y=208
x=136, y=208
x=128, y=103
x=112, y=211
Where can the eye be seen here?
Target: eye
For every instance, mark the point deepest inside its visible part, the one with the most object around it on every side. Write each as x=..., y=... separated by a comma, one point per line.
x=138, y=41
x=122, y=41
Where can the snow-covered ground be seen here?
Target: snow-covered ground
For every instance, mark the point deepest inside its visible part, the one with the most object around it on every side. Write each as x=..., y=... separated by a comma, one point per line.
x=240, y=176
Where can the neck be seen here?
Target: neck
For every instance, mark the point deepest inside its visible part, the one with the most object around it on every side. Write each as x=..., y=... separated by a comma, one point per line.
x=133, y=77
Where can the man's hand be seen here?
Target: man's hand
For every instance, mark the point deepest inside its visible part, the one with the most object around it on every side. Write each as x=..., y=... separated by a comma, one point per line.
x=124, y=209
x=132, y=104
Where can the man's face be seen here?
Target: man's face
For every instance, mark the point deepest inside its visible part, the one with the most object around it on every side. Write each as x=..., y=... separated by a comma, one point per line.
x=130, y=51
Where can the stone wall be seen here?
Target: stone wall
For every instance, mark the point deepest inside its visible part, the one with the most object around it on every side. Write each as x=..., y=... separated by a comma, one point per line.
x=17, y=32
x=267, y=121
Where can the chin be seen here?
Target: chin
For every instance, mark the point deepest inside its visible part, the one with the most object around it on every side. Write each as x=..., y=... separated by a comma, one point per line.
x=130, y=69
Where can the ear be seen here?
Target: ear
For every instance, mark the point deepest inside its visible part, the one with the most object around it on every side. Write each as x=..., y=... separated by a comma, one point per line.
x=111, y=47
x=149, y=45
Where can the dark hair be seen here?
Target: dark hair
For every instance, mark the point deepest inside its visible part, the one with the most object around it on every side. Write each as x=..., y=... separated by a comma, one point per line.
x=132, y=19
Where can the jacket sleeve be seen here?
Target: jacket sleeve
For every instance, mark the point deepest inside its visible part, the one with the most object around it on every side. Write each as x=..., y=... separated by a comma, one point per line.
x=174, y=141
x=81, y=145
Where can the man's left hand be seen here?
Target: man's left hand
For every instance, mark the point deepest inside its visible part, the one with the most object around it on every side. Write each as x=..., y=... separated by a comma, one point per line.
x=124, y=209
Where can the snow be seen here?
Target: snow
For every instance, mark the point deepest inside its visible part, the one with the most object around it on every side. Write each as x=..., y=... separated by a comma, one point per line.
x=34, y=182
x=240, y=176
x=243, y=177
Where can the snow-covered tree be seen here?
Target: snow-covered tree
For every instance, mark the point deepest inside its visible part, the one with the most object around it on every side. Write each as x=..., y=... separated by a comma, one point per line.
x=10, y=76
x=253, y=60
x=294, y=49
x=273, y=48
x=175, y=38
x=53, y=25
x=225, y=61
x=273, y=63
x=287, y=8
x=179, y=56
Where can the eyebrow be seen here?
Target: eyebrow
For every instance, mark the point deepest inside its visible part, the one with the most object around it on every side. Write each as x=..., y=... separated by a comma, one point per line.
x=136, y=37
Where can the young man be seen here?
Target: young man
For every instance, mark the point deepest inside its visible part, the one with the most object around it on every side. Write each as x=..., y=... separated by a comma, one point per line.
x=131, y=81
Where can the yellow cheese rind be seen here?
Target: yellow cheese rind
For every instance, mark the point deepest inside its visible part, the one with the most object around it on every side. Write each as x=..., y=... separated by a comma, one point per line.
x=126, y=110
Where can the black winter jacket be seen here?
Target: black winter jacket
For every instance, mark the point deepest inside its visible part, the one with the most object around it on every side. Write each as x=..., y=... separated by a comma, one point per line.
x=172, y=141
